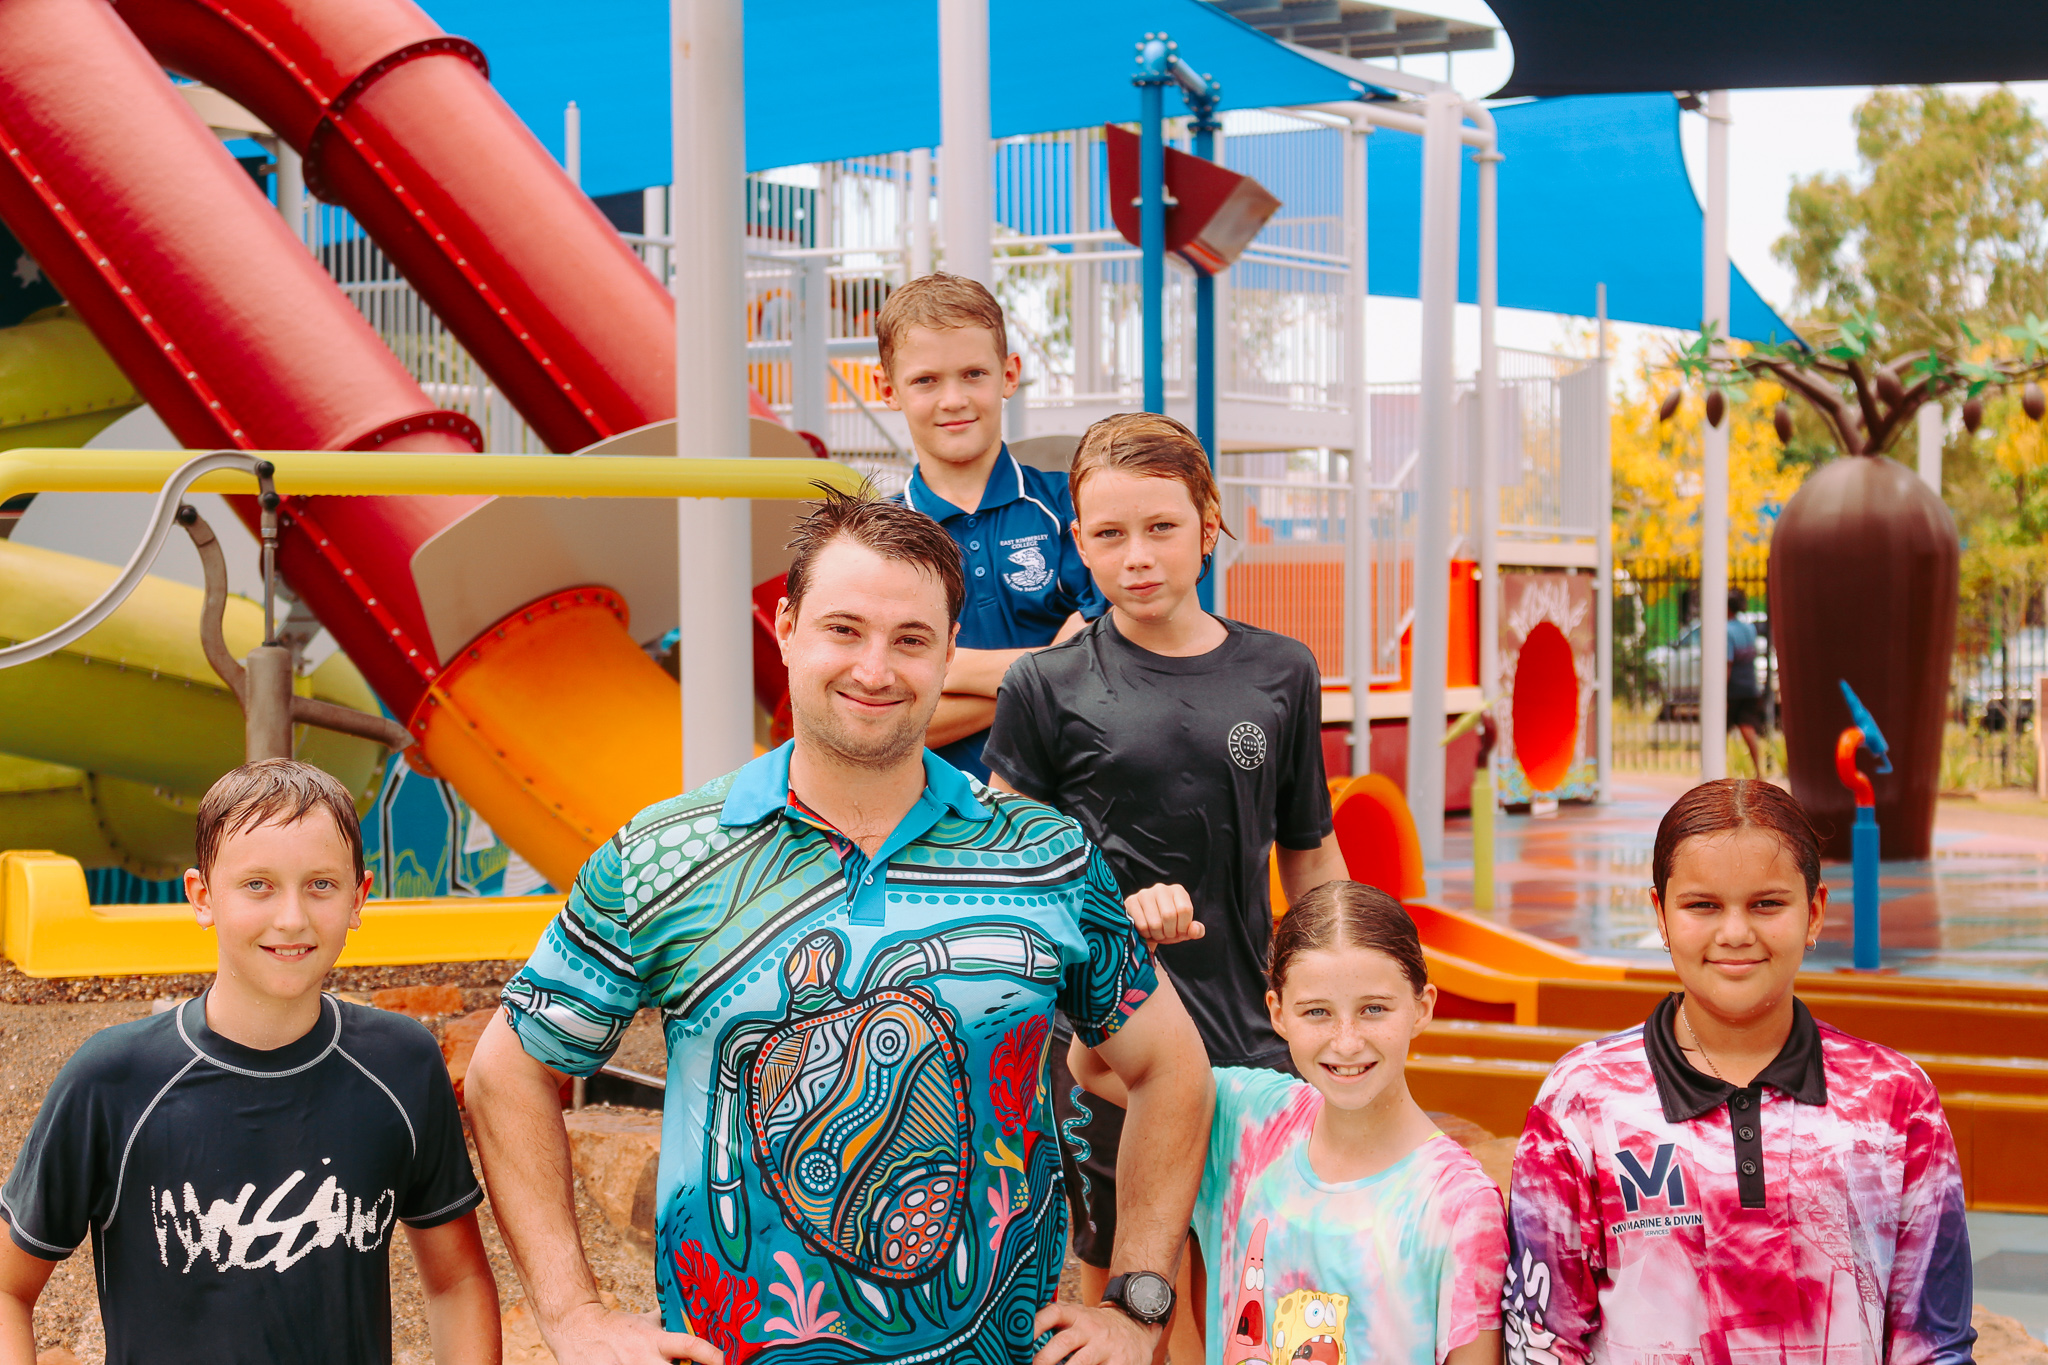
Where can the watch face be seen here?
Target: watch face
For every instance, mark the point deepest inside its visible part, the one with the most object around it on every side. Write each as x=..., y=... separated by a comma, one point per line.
x=1149, y=1295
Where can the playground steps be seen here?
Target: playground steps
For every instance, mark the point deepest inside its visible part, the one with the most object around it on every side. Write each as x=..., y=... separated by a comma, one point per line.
x=1997, y=1107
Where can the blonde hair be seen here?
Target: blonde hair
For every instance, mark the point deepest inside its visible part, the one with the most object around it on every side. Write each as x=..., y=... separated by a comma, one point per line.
x=1151, y=447
x=939, y=302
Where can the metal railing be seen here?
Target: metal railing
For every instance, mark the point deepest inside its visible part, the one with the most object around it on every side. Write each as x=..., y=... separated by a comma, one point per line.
x=1657, y=661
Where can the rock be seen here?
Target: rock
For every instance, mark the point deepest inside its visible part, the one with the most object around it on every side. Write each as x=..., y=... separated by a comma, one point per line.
x=1464, y=1132
x=458, y=1042
x=2002, y=1341
x=421, y=1002
x=617, y=1153
x=58, y=1355
x=1496, y=1158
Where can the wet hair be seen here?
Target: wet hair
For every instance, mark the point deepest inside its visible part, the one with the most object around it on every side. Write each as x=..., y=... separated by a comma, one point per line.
x=890, y=529
x=1736, y=803
x=1342, y=914
x=940, y=303
x=273, y=791
x=1151, y=447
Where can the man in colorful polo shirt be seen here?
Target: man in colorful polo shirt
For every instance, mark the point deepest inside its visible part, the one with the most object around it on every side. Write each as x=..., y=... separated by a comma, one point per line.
x=856, y=952
x=946, y=365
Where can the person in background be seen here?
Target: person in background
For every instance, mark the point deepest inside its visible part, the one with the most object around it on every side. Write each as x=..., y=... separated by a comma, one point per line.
x=946, y=365
x=1733, y=1181
x=1342, y=1226
x=1745, y=687
x=1188, y=747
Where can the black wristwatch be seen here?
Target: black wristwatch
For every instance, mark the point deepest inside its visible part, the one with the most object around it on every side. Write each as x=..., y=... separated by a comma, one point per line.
x=1142, y=1295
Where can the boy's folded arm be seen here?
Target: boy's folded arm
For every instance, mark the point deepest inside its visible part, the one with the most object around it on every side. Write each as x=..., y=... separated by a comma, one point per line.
x=460, y=1290
x=22, y=1278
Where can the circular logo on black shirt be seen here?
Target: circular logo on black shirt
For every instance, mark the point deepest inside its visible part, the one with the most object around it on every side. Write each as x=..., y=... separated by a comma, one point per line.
x=1247, y=744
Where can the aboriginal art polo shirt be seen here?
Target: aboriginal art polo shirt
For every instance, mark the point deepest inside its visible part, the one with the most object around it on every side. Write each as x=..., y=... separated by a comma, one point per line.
x=858, y=1159
x=1661, y=1215
x=1024, y=575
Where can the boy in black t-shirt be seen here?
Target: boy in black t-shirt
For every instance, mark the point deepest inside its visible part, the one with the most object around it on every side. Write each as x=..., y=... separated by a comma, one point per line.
x=239, y=1161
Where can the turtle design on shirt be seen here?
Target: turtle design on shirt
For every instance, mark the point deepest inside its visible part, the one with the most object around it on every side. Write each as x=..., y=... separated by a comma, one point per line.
x=855, y=1107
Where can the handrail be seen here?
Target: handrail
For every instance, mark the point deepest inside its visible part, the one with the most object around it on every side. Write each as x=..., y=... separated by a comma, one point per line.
x=370, y=473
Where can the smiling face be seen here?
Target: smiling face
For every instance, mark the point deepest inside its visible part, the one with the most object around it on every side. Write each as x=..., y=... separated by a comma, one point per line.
x=949, y=384
x=1143, y=539
x=1349, y=1015
x=866, y=654
x=281, y=898
x=1737, y=920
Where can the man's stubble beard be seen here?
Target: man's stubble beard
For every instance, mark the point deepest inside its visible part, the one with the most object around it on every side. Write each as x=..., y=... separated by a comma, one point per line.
x=879, y=752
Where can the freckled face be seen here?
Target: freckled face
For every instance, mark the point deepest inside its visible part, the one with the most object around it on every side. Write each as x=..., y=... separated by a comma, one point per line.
x=1349, y=1015
x=282, y=899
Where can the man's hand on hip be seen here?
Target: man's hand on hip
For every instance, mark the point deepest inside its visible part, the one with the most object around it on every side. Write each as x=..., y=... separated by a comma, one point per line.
x=591, y=1334
x=1093, y=1336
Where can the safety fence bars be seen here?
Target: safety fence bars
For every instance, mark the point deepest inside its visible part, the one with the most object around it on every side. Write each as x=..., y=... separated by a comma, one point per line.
x=1992, y=737
x=1657, y=664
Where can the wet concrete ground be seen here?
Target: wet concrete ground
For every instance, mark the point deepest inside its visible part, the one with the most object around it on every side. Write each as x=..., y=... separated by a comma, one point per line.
x=1978, y=908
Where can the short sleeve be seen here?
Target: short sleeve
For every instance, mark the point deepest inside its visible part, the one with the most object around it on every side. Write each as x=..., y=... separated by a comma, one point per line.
x=1017, y=749
x=1244, y=1095
x=1304, y=819
x=576, y=996
x=1468, y=1297
x=62, y=1182
x=1101, y=991
x=1550, y=1295
x=442, y=1185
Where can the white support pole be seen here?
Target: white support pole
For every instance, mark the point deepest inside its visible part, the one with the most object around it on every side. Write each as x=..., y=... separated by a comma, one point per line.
x=1486, y=486
x=291, y=189
x=1442, y=153
x=966, y=197
x=654, y=223
x=1603, y=584
x=1087, y=275
x=809, y=394
x=920, y=260
x=1714, y=471
x=1929, y=431
x=1358, y=525
x=572, y=144
x=713, y=535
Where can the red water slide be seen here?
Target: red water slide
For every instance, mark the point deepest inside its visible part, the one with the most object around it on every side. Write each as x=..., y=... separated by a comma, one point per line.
x=232, y=331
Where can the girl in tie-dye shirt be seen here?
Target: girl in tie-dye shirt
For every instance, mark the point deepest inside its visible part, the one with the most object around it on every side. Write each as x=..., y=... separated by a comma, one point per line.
x=1337, y=1225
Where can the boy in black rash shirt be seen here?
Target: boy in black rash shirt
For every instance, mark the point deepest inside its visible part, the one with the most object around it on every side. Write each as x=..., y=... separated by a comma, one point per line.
x=1187, y=747
x=239, y=1161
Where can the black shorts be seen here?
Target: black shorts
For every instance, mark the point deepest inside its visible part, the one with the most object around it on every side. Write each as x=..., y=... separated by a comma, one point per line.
x=1746, y=711
x=1091, y=1130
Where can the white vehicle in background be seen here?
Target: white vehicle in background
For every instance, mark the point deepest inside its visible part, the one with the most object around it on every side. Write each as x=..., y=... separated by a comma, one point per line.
x=1676, y=667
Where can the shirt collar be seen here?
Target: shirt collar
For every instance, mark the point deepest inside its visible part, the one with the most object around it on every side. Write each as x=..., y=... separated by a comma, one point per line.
x=761, y=789
x=1005, y=485
x=1687, y=1093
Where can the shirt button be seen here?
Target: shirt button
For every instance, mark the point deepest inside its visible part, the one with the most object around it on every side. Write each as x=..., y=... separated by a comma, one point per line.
x=972, y=521
x=974, y=545
x=870, y=879
x=980, y=572
x=1749, y=1168
x=1746, y=1133
x=1742, y=1101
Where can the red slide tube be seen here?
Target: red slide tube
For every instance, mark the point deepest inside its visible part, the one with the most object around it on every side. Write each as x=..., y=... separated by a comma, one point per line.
x=229, y=328
x=398, y=122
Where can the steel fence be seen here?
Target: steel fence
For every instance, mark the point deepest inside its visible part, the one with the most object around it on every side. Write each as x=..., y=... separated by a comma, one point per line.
x=2000, y=659
x=1657, y=664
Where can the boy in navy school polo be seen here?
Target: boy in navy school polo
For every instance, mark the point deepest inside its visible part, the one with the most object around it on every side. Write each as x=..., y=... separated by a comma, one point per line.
x=947, y=367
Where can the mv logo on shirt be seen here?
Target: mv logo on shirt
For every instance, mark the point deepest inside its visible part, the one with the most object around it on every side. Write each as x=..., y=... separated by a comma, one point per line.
x=1663, y=1180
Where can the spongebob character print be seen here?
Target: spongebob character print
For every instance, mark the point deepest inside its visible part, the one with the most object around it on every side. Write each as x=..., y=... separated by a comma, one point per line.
x=858, y=1159
x=1395, y=1269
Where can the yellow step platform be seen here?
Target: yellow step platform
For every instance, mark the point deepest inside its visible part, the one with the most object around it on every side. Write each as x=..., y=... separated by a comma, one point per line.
x=48, y=927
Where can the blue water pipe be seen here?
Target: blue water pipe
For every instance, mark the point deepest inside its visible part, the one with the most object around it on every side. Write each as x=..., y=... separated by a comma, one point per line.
x=1863, y=841
x=1159, y=64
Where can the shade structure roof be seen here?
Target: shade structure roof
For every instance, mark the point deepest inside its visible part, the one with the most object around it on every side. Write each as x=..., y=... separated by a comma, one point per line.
x=1355, y=28
x=1592, y=189
x=1570, y=47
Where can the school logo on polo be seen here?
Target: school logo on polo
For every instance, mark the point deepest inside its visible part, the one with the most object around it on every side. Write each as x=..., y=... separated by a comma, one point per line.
x=1247, y=744
x=1662, y=1180
x=1032, y=571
